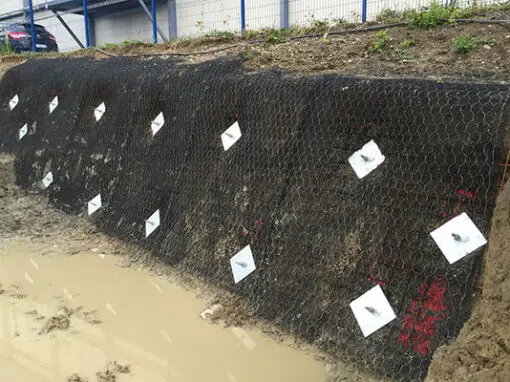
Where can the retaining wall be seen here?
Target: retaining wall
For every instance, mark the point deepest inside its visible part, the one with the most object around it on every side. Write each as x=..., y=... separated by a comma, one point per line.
x=320, y=236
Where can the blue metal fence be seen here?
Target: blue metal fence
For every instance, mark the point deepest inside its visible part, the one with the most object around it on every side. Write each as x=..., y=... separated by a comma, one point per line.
x=32, y=28
x=86, y=22
x=154, y=22
x=189, y=18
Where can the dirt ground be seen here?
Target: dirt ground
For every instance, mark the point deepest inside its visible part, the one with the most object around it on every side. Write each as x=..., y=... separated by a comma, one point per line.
x=430, y=53
x=482, y=350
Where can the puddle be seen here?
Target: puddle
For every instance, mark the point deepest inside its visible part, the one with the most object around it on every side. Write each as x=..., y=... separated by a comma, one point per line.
x=73, y=317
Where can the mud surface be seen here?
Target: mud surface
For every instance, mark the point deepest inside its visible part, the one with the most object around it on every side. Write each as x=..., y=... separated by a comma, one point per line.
x=482, y=349
x=78, y=306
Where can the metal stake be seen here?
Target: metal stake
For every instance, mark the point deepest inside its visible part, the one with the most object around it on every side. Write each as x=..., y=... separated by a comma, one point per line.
x=372, y=310
x=456, y=237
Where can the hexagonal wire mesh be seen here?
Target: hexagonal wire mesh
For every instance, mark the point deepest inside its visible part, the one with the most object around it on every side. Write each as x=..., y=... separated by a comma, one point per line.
x=320, y=236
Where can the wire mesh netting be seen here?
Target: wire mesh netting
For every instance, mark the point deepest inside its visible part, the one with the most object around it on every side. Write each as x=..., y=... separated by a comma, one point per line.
x=320, y=236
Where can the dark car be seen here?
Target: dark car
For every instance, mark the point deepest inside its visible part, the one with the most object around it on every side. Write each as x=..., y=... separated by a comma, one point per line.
x=20, y=37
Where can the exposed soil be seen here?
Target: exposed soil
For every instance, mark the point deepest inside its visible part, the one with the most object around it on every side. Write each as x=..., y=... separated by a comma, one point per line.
x=481, y=352
x=430, y=53
x=7, y=62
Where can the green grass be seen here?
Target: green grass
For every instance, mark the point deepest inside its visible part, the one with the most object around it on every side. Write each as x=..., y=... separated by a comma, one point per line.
x=131, y=42
x=6, y=48
x=220, y=34
x=433, y=16
x=320, y=24
x=250, y=34
x=381, y=39
x=466, y=44
x=316, y=27
x=437, y=14
x=275, y=36
x=389, y=16
x=408, y=42
x=401, y=52
x=108, y=45
x=32, y=54
x=247, y=55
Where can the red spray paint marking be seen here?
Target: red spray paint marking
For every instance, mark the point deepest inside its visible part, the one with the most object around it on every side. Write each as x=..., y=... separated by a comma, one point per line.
x=419, y=325
x=468, y=194
x=463, y=196
x=368, y=124
x=258, y=223
x=379, y=282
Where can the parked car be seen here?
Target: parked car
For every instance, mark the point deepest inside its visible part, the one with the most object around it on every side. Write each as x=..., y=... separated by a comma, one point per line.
x=20, y=38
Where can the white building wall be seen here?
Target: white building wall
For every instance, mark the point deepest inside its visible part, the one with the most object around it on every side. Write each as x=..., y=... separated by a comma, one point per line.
x=375, y=7
x=7, y=6
x=262, y=14
x=131, y=25
x=64, y=39
x=198, y=17
x=305, y=12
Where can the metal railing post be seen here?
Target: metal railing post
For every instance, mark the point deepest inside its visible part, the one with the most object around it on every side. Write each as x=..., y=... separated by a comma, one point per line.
x=284, y=14
x=154, y=23
x=243, y=16
x=86, y=21
x=172, y=19
x=32, y=27
x=149, y=15
x=364, y=11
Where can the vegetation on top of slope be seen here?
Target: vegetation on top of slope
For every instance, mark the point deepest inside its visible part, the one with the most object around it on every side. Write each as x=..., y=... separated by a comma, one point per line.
x=425, y=18
x=466, y=44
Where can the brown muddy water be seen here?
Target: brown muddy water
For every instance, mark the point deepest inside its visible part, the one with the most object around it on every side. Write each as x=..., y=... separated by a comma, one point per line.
x=70, y=317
